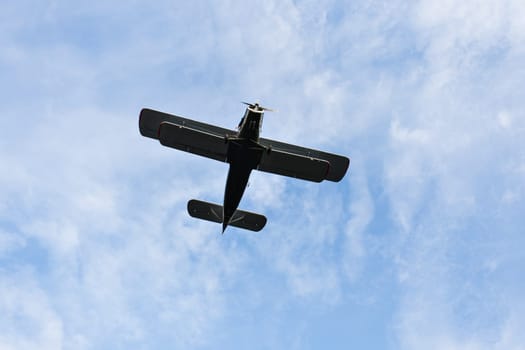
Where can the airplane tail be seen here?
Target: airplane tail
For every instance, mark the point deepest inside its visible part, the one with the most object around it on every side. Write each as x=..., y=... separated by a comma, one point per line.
x=213, y=212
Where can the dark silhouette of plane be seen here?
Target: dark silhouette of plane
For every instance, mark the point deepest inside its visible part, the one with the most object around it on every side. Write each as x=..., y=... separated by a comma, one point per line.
x=245, y=151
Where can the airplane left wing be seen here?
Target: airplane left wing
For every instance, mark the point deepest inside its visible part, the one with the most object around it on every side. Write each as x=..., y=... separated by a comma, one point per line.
x=193, y=141
x=294, y=165
x=338, y=164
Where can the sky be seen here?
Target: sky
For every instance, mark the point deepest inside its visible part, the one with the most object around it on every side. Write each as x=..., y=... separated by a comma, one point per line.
x=420, y=246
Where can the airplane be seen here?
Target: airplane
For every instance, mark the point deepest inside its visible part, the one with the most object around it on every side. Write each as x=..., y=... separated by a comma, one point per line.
x=245, y=151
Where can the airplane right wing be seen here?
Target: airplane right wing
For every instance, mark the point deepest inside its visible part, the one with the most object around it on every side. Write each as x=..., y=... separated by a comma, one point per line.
x=193, y=141
x=338, y=164
x=185, y=134
x=150, y=120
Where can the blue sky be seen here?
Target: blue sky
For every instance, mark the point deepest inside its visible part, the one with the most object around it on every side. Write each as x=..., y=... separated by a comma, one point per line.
x=420, y=245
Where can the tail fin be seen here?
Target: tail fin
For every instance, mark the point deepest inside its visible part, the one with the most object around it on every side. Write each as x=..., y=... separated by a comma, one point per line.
x=213, y=212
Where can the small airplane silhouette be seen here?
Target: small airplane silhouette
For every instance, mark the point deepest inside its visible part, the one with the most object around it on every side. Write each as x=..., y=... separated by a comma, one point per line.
x=245, y=151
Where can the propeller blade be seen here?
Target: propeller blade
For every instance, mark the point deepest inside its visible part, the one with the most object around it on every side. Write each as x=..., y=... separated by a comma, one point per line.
x=257, y=107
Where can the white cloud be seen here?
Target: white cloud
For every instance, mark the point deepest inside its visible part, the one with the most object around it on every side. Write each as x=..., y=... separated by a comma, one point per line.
x=446, y=177
x=9, y=241
x=504, y=119
x=109, y=240
x=28, y=320
x=361, y=213
x=426, y=97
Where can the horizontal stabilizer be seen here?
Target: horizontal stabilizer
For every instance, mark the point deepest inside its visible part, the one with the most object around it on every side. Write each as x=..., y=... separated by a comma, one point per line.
x=213, y=212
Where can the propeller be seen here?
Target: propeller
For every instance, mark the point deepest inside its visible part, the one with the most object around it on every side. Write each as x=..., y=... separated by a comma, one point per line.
x=257, y=107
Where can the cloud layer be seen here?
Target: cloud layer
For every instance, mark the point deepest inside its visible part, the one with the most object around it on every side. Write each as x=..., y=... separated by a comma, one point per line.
x=417, y=247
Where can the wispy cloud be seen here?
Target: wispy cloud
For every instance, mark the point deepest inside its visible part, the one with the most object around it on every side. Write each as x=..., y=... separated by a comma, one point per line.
x=96, y=250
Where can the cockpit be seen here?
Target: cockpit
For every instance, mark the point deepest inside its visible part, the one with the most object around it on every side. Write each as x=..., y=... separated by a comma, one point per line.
x=251, y=124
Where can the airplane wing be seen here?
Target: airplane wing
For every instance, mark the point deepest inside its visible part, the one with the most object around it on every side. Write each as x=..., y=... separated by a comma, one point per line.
x=185, y=134
x=150, y=121
x=208, y=140
x=294, y=165
x=338, y=164
x=194, y=141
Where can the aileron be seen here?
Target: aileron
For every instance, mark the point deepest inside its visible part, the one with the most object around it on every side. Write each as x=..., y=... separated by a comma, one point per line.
x=338, y=164
x=150, y=120
x=293, y=165
x=193, y=141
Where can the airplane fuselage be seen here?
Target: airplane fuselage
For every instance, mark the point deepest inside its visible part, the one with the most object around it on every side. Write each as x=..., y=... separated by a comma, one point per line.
x=250, y=125
x=244, y=155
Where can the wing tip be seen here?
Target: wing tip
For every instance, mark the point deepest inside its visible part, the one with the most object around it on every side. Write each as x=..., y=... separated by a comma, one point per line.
x=336, y=177
x=144, y=128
